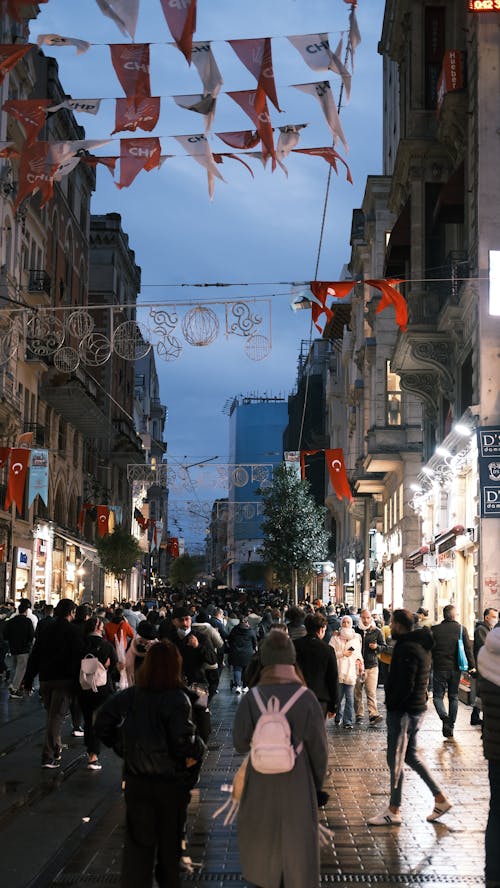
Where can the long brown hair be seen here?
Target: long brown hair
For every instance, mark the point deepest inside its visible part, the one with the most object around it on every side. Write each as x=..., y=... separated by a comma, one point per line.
x=161, y=669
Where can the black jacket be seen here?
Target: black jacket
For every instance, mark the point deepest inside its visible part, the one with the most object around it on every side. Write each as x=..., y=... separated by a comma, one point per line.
x=480, y=633
x=490, y=699
x=408, y=679
x=445, y=652
x=318, y=663
x=193, y=659
x=56, y=654
x=152, y=731
x=371, y=636
x=242, y=643
x=19, y=632
x=104, y=651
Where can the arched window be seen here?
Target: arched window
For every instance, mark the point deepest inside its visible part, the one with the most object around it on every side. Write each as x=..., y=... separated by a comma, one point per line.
x=60, y=506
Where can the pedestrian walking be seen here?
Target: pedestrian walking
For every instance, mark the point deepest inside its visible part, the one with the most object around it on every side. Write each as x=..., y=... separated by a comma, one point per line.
x=278, y=817
x=446, y=671
x=55, y=657
x=242, y=644
x=19, y=633
x=318, y=664
x=489, y=621
x=406, y=703
x=347, y=648
x=488, y=661
x=372, y=644
x=95, y=645
x=151, y=727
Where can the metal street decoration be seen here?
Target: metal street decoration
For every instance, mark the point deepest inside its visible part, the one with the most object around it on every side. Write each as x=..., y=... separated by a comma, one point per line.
x=222, y=475
x=49, y=330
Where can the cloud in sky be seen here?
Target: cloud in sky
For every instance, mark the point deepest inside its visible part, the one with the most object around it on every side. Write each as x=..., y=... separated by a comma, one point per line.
x=261, y=230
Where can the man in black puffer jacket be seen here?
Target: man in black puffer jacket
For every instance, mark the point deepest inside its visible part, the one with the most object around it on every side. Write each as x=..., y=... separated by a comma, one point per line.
x=488, y=661
x=406, y=702
x=318, y=663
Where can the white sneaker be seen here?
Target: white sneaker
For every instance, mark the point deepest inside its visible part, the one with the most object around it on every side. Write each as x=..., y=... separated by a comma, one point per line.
x=237, y=689
x=386, y=818
x=439, y=809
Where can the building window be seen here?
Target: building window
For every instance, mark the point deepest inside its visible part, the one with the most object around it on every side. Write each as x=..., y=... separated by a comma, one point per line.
x=393, y=386
x=434, y=46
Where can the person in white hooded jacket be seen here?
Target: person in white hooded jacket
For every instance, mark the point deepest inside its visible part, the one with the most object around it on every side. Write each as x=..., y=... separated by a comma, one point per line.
x=347, y=646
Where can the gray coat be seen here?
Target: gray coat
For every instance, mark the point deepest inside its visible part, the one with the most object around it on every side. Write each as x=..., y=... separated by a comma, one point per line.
x=278, y=814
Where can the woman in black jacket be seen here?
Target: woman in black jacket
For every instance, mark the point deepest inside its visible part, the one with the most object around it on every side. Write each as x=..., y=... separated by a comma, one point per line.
x=150, y=726
x=90, y=700
x=242, y=644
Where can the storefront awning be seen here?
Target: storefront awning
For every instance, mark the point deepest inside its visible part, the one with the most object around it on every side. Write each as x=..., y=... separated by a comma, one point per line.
x=446, y=540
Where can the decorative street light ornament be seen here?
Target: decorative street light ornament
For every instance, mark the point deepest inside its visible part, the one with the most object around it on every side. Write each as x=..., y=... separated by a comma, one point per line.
x=257, y=347
x=200, y=326
x=169, y=348
x=240, y=477
x=130, y=341
x=239, y=319
x=44, y=334
x=80, y=323
x=66, y=359
x=94, y=349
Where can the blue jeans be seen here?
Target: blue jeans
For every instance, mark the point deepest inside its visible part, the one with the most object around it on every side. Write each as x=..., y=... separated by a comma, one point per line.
x=412, y=757
x=237, y=673
x=443, y=682
x=492, y=872
x=346, y=691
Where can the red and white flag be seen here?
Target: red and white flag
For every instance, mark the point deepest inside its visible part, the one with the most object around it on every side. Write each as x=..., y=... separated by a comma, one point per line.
x=204, y=105
x=338, y=475
x=243, y=139
x=204, y=62
x=56, y=40
x=328, y=154
x=322, y=91
x=10, y=54
x=198, y=147
x=316, y=52
x=390, y=296
x=86, y=106
x=18, y=470
x=254, y=103
x=137, y=155
x=317, y=311
x=180, y=16
x=131, y=63
x=256, y=55
x=354, y=34
x=66, y=154
x=131, y=115
x=102, y=520
x=93, y=160
x=36, y=172
x=124, y=13
x=8, y=149
x=336, y=289
x=219, y=158
x=31, y=114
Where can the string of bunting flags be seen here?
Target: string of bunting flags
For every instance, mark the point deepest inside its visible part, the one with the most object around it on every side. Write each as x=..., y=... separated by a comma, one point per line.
x=44, y=162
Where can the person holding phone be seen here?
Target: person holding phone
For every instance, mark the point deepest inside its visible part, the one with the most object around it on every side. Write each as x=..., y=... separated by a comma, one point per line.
x=347, y=647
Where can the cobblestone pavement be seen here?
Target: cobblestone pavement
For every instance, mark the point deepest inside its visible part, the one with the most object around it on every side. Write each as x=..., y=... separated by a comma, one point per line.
x=417, y=853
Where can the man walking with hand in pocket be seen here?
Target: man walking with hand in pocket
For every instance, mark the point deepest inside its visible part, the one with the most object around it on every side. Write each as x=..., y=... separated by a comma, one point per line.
x=446, y=671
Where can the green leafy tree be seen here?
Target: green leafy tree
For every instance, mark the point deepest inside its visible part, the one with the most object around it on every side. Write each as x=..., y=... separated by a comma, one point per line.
x=184, y=570
x=294, y=528
x=118, y=552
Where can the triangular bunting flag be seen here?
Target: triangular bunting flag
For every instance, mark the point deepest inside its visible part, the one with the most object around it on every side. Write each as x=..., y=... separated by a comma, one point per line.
x=322, y=91
x=57, y=40
x=131, y=115
x=123, y=12
x=204, y=105
x=256, y=55
x=390, y=296
x=253, y=102
x=181, y=20
x=328, y=154
x=131, y=63
x=137, y=155
x=31, y=113
x=199, y=148
x=10, y=54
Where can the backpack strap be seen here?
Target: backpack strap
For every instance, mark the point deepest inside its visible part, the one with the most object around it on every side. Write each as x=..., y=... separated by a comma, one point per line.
x=293, y=699
x=258, y=699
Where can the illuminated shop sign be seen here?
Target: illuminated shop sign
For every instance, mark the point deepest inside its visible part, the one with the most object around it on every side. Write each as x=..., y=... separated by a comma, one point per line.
x=488, y=441
x=484, y=5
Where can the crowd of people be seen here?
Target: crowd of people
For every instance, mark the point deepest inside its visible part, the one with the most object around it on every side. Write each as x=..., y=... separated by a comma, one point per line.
x=141, y=678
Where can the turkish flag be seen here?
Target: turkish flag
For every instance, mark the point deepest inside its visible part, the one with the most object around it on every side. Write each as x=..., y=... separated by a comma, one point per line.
x=10, y=54
x=131, y=115
x=31, y=113
x=36, y=172
x=339, y=289
x=181, y=20
x=317, y=311
x=338, y=476
x=137, y=155
x=18, y=469
x=102, y=520
x=4, y=455
x=254, y=103
x=131, y=63
x=243, y=139
x=329, y=154
x=390, y=296
x=256, y=55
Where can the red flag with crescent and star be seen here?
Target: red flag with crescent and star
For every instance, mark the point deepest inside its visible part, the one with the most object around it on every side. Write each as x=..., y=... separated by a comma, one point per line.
x=102, y=520
x=338, y=475
x=18, y=470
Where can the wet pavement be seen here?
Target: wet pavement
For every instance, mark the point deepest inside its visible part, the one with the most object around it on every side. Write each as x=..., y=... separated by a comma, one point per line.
x=65, y=827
